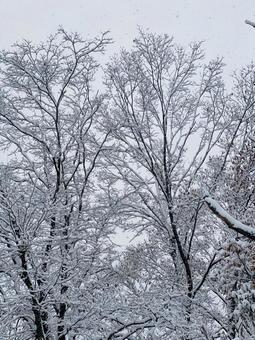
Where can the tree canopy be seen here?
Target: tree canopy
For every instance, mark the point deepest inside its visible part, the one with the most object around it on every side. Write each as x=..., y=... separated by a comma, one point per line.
x=160, y=149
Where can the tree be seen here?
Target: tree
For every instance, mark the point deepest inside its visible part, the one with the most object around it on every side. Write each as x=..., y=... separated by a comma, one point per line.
x=162, y=100
x=55, y=220
x=166, y=152
x=232, y=187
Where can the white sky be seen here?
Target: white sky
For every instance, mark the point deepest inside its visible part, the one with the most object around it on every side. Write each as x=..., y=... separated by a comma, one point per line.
x=219, y=22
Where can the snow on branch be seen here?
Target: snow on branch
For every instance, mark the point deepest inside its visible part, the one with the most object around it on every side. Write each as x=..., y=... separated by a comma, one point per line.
x=230, y=221
x=251, y=23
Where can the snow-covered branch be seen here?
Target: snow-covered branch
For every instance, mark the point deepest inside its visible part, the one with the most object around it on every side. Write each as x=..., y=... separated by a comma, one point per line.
x=229, y=220
x=251, y=23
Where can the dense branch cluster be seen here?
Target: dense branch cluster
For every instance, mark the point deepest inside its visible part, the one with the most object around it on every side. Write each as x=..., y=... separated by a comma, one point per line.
x=163, y=152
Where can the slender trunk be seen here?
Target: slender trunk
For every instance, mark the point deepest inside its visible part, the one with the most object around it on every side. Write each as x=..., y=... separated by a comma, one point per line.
x=61, y=325
x=40, y=317
x=41, y=326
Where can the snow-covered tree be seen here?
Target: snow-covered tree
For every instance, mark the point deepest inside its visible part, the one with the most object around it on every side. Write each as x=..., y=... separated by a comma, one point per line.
x=167, y=115
x=232, y=186
x=165, y=153
x=54, y=218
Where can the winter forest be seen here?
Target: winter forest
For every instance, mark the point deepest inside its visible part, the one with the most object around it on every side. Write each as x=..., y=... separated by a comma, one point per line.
x=152, y=143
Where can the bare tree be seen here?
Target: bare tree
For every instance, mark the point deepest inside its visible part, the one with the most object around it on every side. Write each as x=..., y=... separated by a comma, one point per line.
x=158, y=153
x=168, y=111
x=54, y=219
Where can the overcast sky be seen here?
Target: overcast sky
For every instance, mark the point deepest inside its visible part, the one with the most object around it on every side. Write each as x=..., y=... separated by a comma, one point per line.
x=220, y=23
